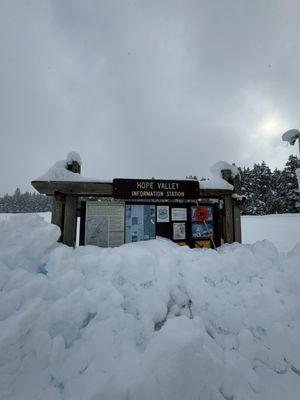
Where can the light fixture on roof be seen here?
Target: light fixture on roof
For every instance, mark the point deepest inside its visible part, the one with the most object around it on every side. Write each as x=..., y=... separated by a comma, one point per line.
x=291, y=136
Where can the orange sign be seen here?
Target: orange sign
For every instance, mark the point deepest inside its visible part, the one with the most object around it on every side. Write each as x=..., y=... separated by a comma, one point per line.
x=201, y=214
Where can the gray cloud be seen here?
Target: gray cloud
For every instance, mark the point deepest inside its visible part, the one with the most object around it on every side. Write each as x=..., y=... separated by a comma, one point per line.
x=145, y=88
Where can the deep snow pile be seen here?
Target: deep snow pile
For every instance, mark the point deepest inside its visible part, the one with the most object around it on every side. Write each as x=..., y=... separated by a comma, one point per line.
x=216, y=181
x=59, y=171
x=148, y=320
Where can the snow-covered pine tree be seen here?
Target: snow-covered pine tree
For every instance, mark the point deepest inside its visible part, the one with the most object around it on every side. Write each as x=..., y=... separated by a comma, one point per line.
x=277, y=200
x=257, y=185
x=290, y=184
x=24, y=202
x=271, y=192
x=248, y=189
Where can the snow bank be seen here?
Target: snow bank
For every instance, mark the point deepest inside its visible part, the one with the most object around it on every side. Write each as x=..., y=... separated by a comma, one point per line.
x=25, y=240
x=149, y=320
x=282, y=229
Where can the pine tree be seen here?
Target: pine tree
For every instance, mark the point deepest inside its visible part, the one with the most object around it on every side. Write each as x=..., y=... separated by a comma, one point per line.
x=24, y=202
x=270, y=192
x=290, y=183
x=277, y=200
x=257, y=186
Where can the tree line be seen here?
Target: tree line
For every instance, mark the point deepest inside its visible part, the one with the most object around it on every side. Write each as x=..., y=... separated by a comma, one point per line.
x=266, y=191
x=271, y=192
x=24, y=202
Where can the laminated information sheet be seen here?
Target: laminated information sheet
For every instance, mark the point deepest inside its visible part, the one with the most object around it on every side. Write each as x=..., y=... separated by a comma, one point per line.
x=139, y=222
x=179, y=214
x=104, y=223
x=179, y=231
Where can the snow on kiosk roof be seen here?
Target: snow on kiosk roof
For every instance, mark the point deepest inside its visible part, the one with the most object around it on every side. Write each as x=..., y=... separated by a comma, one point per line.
x=203, y=213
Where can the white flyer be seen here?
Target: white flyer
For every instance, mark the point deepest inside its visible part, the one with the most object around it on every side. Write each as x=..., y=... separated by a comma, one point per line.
x=179, y=214
x=179, y=231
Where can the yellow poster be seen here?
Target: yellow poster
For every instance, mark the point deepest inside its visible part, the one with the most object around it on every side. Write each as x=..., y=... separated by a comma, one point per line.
x=203, y=244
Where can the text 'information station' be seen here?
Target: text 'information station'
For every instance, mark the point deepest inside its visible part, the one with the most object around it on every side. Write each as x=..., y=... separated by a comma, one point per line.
x=155, y=189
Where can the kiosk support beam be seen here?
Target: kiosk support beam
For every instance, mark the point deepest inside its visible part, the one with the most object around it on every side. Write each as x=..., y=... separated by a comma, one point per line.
x=232, y=217
x=57, y=217
x=70, y=221
x=228, y=220
x=237, y=223
x=70, y=212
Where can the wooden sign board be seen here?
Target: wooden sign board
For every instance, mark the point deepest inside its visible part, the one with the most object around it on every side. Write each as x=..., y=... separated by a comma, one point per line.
x=155, y=189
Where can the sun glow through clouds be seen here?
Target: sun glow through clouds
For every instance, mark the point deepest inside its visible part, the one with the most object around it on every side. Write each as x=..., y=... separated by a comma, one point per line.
x=270, y=127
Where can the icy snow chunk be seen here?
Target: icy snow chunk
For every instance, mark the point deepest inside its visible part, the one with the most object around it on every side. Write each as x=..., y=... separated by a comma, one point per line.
x=246, y=344
x=295, y=252
x=239, y=380
x=217, y=168
x=25, y=241
x=265, y=249
x=216, y=181
x=57, y=356
x=59, y=171
x=42, y=345
x=176, y=364
x=4, y=275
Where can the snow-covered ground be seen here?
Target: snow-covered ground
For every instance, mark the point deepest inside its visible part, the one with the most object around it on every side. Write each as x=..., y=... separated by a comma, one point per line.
x=281, y=229
x=149, y=320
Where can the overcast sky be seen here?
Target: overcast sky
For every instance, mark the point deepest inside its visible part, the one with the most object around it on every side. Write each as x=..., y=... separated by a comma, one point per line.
x=146, y=88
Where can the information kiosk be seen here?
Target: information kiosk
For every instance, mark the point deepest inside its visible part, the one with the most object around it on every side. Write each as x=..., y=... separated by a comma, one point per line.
x=130, y=210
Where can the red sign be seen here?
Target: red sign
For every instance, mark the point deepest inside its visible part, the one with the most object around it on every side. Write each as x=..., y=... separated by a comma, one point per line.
x=201, y=214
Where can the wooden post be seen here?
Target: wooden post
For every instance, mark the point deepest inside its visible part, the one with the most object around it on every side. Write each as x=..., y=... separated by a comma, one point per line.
x=57, y=217
x=228, y=212
x=232, y=217
x=70, y=221
x=228, y=220
x=74, y=166
x=70, y=212
x=237, y=223
x=226, y=175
